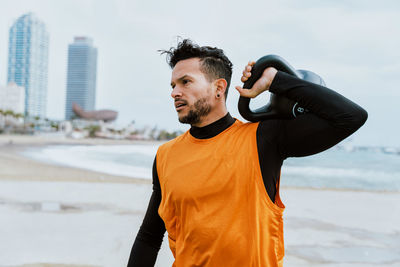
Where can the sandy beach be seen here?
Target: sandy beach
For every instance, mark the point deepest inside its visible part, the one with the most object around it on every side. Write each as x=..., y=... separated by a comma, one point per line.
x=61, y=216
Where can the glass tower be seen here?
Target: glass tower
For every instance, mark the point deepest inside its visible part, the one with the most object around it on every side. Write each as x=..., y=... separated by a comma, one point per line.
x=28, y=61
x=81, y=77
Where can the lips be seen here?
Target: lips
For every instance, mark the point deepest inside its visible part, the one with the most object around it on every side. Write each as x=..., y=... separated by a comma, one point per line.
x=180, y=104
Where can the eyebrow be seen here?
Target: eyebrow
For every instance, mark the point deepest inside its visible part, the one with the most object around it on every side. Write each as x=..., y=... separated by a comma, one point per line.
x=180, y=79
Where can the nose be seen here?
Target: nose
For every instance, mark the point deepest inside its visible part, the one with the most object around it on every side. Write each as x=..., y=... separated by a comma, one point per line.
x=176, y=92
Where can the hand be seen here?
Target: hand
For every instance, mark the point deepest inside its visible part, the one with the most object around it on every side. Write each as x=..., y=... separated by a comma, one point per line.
x=261, y=85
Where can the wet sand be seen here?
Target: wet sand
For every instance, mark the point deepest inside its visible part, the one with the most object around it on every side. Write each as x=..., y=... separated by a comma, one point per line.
x=61, y=216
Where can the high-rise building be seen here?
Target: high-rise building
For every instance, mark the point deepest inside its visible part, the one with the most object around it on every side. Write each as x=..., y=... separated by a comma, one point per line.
x=28, y=61
x=81, y=77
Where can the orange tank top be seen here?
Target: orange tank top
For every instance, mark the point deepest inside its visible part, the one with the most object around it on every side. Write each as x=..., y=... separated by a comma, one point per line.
x=214, y=203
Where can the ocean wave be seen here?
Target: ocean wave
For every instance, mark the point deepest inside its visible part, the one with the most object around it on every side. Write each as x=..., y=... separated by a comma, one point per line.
x=353, y=178
x=364, y=171
x=115, y=160
x=145, y=149
x=339, y=172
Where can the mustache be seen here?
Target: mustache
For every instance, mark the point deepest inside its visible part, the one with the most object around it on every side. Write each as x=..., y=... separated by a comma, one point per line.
x=181, y=100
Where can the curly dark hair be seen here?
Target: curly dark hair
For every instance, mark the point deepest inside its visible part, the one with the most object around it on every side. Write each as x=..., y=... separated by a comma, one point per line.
x=214, y=63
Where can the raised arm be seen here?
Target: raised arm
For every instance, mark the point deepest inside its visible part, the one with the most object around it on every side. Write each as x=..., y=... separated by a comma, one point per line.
x=150, y=236
x=332, y=117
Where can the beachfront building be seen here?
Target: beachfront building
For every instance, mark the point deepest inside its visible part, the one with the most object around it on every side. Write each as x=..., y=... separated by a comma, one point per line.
x=81, y=77
x=28, y=62
x=12, y=98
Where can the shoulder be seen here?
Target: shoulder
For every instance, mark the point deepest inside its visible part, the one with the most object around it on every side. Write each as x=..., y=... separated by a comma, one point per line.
x=168, y=145
x=271, y=130
x=167, y=149
x=272, y=125
x=241, y=130
x=245, y=126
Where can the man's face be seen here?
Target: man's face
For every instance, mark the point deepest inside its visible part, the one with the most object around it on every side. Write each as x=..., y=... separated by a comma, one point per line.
x=192, y=92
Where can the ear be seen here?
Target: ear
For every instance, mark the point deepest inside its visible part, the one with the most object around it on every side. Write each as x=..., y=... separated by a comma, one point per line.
x=220, y=87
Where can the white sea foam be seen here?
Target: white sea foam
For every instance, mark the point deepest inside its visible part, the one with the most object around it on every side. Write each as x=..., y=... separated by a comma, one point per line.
x=363, y=170
x=352, y=178
x=338, y=172
x=116, y=160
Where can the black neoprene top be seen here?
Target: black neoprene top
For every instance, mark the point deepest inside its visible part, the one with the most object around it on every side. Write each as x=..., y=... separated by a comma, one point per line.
x=332, y=118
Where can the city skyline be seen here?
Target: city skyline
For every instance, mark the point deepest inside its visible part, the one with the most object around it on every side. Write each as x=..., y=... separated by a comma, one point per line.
x=28, y=61
x=81, y=75
x=352, y=45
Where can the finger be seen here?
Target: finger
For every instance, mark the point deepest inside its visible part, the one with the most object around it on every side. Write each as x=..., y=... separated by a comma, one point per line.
x=248, y=68
x=246, y=74
x=244, y=78
x=244, y=92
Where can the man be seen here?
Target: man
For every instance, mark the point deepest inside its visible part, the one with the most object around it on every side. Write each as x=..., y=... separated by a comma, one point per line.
x=216, y=187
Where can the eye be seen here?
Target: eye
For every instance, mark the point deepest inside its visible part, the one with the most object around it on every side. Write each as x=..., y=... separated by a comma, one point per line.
x=185, y=81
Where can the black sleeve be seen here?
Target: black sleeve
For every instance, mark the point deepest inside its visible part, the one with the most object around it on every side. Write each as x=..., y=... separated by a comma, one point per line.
x=150, y=236
x=331, y=119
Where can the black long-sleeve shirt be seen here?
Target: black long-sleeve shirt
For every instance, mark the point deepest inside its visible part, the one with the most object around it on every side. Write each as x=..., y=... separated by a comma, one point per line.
x=331, y=119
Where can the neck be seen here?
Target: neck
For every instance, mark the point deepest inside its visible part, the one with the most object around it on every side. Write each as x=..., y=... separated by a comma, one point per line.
x=211, y=117
x=212, y=129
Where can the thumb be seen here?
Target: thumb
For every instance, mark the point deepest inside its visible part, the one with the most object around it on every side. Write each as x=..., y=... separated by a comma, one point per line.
x=244, y=92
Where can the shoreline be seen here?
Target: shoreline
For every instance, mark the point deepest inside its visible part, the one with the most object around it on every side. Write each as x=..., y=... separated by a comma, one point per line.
x=13, y=152
x=42, y=140
x=15, y=166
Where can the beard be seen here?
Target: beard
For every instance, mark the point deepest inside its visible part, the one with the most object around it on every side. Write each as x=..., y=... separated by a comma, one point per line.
x=198, y=110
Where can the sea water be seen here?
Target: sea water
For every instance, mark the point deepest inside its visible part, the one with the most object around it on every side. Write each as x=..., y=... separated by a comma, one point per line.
x=358, y=168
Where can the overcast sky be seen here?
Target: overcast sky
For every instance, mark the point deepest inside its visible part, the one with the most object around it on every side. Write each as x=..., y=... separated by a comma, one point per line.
x=353, y=45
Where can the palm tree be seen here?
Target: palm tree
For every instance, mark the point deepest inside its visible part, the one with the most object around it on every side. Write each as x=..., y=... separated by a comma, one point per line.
x=1, y=117
x=19, y=115
x=7, y=114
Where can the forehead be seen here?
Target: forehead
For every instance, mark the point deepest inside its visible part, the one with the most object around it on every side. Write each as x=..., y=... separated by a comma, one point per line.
x=189, y=66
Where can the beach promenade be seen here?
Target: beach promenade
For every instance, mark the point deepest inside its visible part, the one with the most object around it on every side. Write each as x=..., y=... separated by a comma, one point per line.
x=60, y=216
